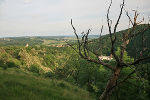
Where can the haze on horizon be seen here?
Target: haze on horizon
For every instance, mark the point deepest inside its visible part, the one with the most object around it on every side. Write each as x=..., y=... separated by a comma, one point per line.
x=52, y=17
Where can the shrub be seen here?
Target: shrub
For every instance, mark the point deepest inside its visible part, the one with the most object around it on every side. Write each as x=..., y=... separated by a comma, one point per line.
x=3, y=65
x=34, y=68
x=11, y=64
x=49, y=74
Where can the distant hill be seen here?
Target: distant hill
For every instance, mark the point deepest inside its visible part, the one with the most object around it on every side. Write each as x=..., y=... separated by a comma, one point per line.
x=135, y=43
x=38, y=40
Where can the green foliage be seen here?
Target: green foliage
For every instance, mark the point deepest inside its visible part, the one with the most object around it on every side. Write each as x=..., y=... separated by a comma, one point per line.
x=7, y=59
x=34, y=68
x=49, y=60
x=133, y=88
x=133, y=48
x=18, y=85
x=64, y=64
x=48, y=74
x=11, y=64
x=89, y=76
x=3, y=65
x=126, y=58
x=144, y=72
x=20, y=41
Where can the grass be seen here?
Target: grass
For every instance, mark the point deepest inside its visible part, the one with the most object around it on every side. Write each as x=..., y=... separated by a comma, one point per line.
x=18, y=85
x=46, y=42
x=53, y=42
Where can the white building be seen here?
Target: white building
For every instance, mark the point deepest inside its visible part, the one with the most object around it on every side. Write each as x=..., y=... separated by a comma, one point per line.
x=27, y=45
x=105, y=57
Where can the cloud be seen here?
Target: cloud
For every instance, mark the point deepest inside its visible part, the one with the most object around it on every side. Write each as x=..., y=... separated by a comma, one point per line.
x=27, y=1
x=52, y=17
x=1, y=1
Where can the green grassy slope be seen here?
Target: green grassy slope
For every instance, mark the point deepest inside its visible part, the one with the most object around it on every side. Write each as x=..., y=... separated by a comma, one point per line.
x=18, y=85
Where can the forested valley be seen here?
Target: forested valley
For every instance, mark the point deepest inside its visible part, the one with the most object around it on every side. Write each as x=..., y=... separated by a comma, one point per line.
x=47, y=68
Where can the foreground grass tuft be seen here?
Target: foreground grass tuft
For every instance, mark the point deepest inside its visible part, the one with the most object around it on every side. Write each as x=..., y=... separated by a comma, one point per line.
x=18, y=85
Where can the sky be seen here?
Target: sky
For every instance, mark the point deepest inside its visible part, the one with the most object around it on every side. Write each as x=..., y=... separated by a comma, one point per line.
x=52, y=17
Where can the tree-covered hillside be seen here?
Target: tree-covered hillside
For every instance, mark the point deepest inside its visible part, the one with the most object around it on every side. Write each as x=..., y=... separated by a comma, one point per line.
x=45, y=71
x=135, y=43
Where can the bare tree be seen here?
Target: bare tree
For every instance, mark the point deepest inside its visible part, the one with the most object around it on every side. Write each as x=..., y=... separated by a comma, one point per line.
x=84, y=51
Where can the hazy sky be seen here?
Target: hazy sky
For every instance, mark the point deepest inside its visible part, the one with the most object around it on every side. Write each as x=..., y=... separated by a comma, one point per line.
x=52, y=17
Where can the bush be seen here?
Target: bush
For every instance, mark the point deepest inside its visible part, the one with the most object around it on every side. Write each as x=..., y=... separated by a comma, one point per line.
x=49, y=74
x=3, y=65
x=11, y=64
x=63, y=85
x=34, y=68
x=7, y=64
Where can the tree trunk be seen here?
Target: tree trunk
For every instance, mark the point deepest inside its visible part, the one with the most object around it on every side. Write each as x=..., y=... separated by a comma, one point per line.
x=111, y=83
